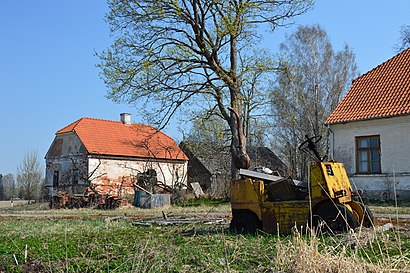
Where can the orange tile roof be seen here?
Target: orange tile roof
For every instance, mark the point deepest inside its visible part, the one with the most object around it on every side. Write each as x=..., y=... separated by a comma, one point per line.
x=382, y=92
x=107, y=137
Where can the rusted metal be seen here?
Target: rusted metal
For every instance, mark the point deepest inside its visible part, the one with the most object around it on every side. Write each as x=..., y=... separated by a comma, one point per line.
x=64, y=200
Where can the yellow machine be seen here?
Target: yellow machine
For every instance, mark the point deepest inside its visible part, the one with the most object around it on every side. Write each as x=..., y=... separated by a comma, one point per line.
x=276, y=204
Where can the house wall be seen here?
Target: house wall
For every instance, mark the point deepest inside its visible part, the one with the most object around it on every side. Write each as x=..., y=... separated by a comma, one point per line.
x=395, y=150
x=67, y=156
x=116, y=176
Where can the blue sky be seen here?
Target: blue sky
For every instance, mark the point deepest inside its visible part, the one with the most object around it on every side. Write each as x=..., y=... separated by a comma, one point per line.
x=48, y=77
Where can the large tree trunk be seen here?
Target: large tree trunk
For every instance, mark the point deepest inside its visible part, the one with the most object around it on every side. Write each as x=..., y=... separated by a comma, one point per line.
x=240, y=159
x=234, y=145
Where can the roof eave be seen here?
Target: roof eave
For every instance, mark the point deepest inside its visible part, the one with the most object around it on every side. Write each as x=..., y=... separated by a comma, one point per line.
x=122, y=157
x=366, y=119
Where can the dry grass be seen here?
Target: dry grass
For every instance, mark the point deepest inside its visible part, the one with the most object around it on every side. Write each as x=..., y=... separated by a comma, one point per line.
x=13, y=204
x=344, y=255
x=389, y=209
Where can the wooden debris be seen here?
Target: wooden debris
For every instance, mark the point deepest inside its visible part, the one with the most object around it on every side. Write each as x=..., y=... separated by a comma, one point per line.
x=177, y=221
x=198, y=192
x=113, y=219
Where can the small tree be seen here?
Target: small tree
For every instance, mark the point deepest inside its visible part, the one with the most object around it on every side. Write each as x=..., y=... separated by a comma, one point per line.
x=30, y=177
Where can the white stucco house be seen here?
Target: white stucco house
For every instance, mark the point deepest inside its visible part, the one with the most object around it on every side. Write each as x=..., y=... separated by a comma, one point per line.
x=111, y=156
x=370, y=130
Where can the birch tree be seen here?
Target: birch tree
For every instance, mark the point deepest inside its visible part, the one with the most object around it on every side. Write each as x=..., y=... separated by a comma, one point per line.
x=312, y=80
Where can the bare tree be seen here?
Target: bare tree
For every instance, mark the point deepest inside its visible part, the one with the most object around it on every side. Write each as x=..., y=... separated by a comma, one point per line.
x=8, y=186
x=404, y=41
x=166, y=53
x=30, y=177
x=312, y=80
x=256, y=110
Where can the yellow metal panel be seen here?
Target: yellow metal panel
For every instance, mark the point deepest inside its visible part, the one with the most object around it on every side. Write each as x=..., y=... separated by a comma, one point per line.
x=285, y=216
x=246, y=194
x=317, y=181
x=338, y=182
x=330, y=177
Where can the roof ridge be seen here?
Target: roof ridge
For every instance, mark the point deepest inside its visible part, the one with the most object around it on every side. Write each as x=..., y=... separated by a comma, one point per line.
x=72, y=124
x=388, y=60
x=101, y=119
x=118, y=121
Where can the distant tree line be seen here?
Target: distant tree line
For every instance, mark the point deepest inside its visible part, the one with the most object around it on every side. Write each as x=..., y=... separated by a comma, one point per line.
x=29, y=182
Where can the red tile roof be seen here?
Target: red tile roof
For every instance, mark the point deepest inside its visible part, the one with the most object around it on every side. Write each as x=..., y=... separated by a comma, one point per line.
x=382, y=92
x=107, y=137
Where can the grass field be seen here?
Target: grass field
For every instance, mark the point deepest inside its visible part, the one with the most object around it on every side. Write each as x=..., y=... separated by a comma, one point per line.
x=108, y=244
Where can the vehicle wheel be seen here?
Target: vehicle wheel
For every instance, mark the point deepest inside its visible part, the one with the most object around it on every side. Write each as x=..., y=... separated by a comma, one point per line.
x=244, y=222
x=334, y=218
x=368, y=219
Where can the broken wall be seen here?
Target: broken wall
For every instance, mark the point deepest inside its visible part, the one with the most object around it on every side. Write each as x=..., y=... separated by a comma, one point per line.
x=66, y=165
x=116, y=176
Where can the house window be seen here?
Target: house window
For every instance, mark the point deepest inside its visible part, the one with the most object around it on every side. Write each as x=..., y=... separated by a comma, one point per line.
x=55, y=179
x=368, y=155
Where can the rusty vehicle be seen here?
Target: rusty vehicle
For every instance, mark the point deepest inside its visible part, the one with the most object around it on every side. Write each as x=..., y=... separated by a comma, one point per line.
x=277, y=204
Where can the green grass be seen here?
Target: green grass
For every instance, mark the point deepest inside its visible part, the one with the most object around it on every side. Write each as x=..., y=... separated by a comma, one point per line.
x=204, y=202
x=93, y=245
x=90, y=244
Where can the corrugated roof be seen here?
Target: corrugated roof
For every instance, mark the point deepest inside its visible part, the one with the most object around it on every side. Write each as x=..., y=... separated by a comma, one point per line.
x=382, y=92
x=108, y=137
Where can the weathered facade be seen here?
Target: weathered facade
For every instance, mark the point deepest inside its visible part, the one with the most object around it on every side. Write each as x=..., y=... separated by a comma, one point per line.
x=371, y=127
x=210, y=165
x=110, y=157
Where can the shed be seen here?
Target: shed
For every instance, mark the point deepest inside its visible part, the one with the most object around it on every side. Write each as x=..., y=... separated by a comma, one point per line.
x=210, y=164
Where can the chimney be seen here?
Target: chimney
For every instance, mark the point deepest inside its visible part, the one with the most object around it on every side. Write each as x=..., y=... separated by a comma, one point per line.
x=125, y=118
